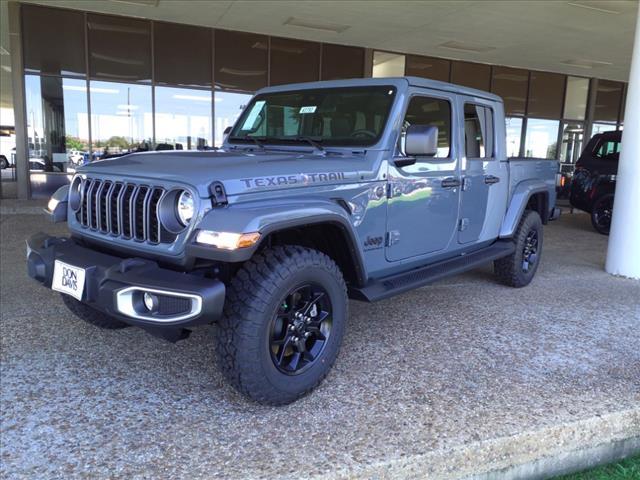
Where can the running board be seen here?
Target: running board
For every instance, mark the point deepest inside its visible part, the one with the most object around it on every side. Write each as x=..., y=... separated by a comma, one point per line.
x=402, y=282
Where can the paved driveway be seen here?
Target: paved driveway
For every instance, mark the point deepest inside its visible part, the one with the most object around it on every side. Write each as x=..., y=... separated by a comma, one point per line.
x=445, y=371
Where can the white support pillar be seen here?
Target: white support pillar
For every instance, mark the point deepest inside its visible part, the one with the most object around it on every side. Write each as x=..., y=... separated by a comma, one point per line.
x=623, y=255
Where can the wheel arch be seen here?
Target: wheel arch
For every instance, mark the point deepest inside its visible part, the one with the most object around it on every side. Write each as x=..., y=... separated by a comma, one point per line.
x=529, y=195
x=326, y=234
x=322, y=225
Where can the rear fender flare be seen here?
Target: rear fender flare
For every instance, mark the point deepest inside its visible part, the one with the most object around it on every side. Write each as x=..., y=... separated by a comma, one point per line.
x=518, y=203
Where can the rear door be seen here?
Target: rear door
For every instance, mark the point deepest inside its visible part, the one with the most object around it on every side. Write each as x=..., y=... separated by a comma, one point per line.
x=479, y=167
x=422, y=209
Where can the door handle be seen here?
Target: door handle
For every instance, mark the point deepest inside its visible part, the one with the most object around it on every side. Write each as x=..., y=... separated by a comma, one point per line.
x=451, y=182
x=491, y=179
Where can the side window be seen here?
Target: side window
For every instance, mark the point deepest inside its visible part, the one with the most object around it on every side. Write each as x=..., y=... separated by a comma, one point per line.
x=478, y=131
x=430, y=111
x=609, y=150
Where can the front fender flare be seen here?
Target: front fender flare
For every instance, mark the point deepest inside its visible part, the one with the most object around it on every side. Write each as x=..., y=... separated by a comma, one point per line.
x=519, y=199
x=269, y=218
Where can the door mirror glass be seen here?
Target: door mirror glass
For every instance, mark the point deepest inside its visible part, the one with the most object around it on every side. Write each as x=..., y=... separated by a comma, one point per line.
x=421, y=140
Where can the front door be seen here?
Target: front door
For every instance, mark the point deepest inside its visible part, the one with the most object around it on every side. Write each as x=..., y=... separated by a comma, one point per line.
x=422, y=211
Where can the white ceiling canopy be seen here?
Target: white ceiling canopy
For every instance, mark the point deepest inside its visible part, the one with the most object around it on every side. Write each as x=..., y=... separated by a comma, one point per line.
x=581, y=37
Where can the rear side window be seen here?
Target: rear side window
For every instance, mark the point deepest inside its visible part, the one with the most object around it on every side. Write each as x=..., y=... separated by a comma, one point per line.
x=431, y=111
x=478, y=131
x=608, y=149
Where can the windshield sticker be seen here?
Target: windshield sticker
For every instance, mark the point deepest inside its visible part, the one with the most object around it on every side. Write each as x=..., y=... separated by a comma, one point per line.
x=309, y=109
x=250, y=121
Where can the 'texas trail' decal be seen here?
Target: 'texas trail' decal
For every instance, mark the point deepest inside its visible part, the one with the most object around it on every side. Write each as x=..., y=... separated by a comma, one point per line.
x=302, y=179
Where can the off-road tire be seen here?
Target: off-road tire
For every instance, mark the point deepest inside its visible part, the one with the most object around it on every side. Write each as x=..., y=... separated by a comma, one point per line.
x=509, y=270
x=91, y=315
x=253, y=300
x=596, y=208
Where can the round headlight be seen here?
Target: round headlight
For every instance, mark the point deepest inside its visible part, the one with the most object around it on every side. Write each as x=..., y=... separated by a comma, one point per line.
x=75, y=194
x=185, y=207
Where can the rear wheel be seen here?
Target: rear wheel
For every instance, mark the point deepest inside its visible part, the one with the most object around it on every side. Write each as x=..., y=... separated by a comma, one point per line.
x=283, y=324
x=4, y=163
x=601, y=214
x=519, y=268
x=91, y=315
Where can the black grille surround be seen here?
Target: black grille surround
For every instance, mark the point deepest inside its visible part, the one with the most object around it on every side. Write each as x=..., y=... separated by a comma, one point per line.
x=122, y=209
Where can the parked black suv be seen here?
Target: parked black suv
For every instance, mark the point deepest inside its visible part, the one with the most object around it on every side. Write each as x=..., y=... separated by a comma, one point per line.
x=594, y=179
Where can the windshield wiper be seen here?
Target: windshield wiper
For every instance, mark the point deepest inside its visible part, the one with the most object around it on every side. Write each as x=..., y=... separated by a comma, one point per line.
x=314, y=143
x=257, y=140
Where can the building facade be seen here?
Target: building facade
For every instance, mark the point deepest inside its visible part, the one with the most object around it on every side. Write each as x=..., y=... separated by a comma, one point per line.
x=95, y=85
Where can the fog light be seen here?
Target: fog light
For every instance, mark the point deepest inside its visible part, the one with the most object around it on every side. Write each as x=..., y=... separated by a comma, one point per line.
x=150, y=301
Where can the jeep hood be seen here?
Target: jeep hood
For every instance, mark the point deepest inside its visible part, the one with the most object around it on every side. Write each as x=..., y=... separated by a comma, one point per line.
x=240, y=172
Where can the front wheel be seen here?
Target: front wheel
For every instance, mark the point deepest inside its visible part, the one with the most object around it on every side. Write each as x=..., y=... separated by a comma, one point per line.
x=4, y=163
x=601, y=214
x=283, y=324
x=519, y=268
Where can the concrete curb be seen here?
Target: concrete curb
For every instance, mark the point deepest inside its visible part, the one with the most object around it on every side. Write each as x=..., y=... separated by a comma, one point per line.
x=21, y=210
x=531, y=455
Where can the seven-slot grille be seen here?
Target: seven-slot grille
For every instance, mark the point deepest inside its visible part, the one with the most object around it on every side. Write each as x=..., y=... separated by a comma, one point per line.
x=121, y=209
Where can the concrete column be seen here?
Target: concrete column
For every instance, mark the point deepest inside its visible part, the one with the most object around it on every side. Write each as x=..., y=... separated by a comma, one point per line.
x=623, y=255
x=19, y=108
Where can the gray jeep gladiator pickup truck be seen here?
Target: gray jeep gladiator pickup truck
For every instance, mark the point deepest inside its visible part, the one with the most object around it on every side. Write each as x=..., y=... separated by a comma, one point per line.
x=322, y=192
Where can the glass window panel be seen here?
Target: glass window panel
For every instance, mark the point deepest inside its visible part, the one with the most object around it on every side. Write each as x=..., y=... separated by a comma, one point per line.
x=294, y=61
x=572, y=138
x=241, y=61
x=608, y=99
x=478, y=131
x=541, y=140
x=120, y=118
x=228, y=107
x=428, y=67
x=575, y=101
x=53, y=41
x=387, y=64
x=353, y=116
x=602, y=127
x=57, y=123
x=339, y=61
x=474, y=75
x=511, y=84
x=514, y=136
x=183, y=118
x=431, y=111
x=182, y=54
x=546, y=92
x=119, y=48
x=608, y=149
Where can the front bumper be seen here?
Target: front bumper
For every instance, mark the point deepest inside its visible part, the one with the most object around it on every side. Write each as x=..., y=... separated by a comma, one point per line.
x=111, y=283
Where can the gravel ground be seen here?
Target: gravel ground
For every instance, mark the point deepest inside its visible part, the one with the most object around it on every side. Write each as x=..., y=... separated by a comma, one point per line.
x=460, y=362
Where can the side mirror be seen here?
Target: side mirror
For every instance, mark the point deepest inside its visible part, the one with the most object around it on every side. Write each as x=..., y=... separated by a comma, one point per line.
x=227, y=130
x=421, y=140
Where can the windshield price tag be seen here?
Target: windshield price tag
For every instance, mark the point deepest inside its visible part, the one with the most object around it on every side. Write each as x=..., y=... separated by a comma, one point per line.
x=309, y=109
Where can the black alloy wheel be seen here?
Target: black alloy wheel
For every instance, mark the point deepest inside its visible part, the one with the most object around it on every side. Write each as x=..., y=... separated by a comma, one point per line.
x=530, y=251
x=601, y=214
x=301, y=328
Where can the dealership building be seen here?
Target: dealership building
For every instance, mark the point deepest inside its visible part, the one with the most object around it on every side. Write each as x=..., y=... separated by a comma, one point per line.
x=82, y=79
x=88, y=83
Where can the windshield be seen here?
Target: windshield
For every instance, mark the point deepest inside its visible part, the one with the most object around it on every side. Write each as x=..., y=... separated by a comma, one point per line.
x=329, y=116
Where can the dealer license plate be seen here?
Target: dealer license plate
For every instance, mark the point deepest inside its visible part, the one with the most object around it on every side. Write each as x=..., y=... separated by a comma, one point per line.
x=68, y=279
